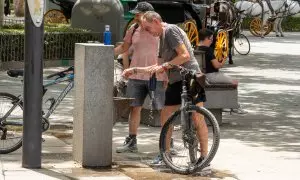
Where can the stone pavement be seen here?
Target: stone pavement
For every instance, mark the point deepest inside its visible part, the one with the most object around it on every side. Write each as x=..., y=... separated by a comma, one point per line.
x=263, y=144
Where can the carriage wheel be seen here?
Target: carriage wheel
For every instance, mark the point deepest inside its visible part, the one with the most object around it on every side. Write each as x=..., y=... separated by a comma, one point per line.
x=221, y=46
x=55, y=16
x=128, y=25
x=190, y=27
x=270, y=29
x=255, y=27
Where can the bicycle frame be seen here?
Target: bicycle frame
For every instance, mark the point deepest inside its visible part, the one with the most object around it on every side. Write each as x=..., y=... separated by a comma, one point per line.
x=184, y=105
x=63, y=94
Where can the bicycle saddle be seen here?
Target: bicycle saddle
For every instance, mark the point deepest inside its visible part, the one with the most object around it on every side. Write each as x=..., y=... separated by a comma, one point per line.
x=15, y=72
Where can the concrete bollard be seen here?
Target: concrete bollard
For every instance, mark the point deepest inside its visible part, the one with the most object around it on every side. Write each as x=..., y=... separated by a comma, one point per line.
x=93, y=116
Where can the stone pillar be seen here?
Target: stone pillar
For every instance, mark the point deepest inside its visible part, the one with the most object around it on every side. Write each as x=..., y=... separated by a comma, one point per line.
x=93, y=113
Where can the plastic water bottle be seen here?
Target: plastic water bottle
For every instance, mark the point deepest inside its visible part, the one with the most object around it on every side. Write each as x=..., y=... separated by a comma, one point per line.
x=107, y=35
x=152, y=85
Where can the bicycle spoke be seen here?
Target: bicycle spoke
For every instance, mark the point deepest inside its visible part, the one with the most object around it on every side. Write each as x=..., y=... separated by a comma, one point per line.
x=187, y=153
x=11, y=127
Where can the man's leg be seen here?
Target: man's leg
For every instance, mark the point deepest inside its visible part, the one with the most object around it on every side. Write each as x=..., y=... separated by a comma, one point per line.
x=172, y=104
x=202, y=131
x=135, y=89
x=166, y=113
x=134, y=120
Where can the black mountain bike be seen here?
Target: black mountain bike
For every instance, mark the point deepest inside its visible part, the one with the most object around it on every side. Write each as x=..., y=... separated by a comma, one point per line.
x=185, y=155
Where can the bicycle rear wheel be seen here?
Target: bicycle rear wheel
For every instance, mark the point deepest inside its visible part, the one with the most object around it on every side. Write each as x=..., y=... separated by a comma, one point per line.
x=11, y=127
x=186, y=145
x=241, y=44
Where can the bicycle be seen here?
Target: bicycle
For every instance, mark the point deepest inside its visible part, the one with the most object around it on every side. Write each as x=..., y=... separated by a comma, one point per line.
x=187, y=135
x=240, y=41
x=11, y=113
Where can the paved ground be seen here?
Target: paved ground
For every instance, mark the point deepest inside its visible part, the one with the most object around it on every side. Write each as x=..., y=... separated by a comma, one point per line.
x=264, y=144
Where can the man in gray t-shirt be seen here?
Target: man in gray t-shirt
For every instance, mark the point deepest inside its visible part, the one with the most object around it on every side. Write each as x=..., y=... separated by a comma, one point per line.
x=175, y=49
x=172, y=38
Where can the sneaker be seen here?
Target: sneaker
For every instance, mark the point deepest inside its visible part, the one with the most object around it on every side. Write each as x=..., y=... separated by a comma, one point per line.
x=128, y=146
x=206, y=168
x=158, y=161
x=239, y=111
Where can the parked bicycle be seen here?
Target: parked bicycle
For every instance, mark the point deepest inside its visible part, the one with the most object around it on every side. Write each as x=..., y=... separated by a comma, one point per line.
x=185, y=143
x=240, y=41
x=11, y=109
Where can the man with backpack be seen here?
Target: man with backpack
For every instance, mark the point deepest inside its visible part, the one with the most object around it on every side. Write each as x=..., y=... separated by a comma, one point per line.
x=144, y=54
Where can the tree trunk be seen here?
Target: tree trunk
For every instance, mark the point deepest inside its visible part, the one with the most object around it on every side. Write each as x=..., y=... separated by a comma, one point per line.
x=19, y=8
x=1, y=12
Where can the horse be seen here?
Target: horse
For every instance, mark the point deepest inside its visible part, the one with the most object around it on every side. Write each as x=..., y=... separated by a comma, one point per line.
x=261, y=8
x=292, y=8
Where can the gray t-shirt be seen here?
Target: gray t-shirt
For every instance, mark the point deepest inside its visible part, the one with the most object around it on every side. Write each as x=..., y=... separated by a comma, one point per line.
x=170, y=40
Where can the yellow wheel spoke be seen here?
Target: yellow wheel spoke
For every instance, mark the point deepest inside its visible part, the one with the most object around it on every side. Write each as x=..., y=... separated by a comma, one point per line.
x=190, y=27
x=221, y=47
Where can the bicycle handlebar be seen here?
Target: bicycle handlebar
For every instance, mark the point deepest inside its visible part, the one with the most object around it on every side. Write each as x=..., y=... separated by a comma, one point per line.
x=62, y=73
x=183, y=71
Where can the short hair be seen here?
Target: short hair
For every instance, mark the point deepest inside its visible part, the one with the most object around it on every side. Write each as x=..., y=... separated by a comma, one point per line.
x=150, y=15
x=206, y=33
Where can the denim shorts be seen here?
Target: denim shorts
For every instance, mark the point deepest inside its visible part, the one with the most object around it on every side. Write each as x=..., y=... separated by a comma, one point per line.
x=139, y=90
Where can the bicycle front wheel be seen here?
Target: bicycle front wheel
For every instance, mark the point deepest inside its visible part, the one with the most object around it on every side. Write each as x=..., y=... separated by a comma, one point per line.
x=241, y=44
x=183, y=156
x=11, y=126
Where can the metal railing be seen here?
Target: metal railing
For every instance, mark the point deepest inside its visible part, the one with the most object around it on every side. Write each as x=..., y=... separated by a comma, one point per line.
x=13, y=21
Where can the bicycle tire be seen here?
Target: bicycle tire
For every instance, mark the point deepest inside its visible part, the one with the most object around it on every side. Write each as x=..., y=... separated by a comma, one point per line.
x=194, y=148
x=16, y=146
x=242, y=36
x=216, y=140
x=193, y=152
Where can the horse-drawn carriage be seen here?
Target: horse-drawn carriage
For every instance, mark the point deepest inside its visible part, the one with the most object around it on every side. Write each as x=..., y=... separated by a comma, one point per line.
x=191, y=16
x=62, y=15
x=263, y=22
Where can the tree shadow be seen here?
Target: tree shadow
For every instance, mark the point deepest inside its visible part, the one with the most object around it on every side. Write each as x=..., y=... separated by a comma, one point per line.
x=269, y=89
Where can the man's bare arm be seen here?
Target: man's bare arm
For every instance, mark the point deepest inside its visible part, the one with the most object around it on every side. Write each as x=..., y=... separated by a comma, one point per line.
x=121, y=48
x=182, y=57
x=216, y=64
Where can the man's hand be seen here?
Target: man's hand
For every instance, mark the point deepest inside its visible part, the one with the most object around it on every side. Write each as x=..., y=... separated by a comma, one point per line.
x=127, y=72
x=156, y=69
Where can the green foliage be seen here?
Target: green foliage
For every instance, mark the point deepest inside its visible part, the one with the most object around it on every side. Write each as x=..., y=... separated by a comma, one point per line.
x=59, y=41
x=19, y=28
